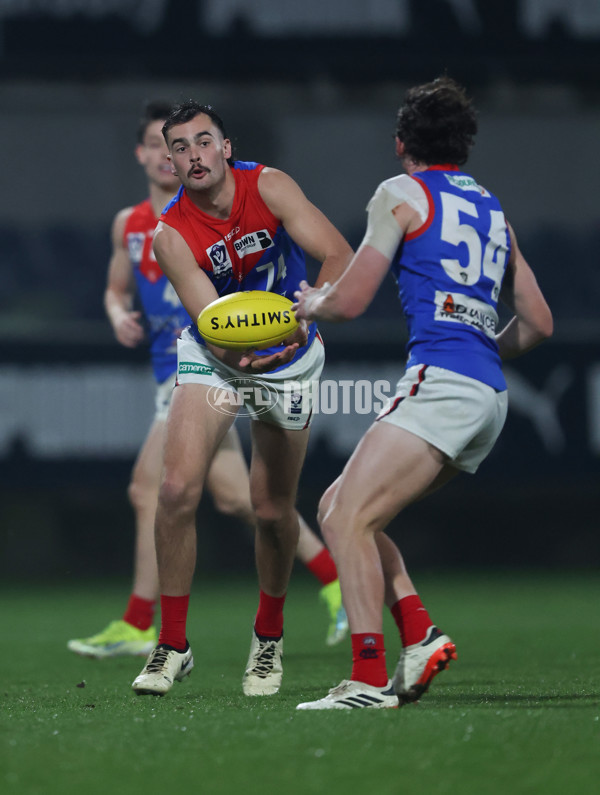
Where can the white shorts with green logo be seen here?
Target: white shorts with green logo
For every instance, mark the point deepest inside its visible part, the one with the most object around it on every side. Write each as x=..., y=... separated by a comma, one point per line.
x=460, y=416
x=283, y=398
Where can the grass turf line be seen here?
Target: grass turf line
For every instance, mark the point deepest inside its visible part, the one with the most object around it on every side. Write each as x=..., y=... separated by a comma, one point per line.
x=520, y=709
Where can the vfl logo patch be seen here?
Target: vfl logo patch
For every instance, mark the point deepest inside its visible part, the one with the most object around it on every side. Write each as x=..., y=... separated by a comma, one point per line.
x=253, y=242
x=219, y=258
x=135, y=246
x=295, y=403
x=459, y=308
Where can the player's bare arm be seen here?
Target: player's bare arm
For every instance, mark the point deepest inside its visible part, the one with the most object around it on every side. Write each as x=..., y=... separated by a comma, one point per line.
x=532, y=322
x=305, y=223
x=194, y=288
x=350, y=296
x=195, y=291
x=120, y=288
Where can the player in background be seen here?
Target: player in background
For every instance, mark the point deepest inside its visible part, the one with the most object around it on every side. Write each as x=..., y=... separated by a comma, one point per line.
x=133, y=269
x=453, y=255
x=233, y=226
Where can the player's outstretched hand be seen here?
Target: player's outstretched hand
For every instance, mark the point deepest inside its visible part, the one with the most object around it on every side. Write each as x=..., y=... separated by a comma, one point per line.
x=251, y=362
x=308, y=299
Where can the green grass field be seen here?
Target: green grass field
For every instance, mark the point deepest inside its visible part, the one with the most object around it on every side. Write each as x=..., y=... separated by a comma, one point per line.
x=519, y=711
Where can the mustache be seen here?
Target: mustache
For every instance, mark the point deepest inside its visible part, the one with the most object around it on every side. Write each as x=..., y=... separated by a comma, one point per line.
x=198, y=168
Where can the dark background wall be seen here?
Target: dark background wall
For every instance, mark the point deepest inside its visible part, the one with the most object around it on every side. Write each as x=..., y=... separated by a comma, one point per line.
x=312, y=89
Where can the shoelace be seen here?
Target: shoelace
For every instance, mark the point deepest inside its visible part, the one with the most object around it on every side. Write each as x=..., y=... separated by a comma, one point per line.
x=159, y=659
x=263, y=662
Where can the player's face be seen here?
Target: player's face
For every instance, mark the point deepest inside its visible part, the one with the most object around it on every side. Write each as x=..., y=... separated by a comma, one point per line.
x=199, y=153
x=153, y=155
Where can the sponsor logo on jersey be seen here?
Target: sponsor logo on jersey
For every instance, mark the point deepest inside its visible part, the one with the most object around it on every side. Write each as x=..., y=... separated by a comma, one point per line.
x=459, y=308
x=233, y=232
x=219, y=258
x=193, y=368
x=253, y=242
x=465, y=183
x=135, y=246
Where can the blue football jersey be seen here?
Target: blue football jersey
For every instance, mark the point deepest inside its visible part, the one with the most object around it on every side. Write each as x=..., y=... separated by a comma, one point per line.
x=449, y=274
x=162, y=309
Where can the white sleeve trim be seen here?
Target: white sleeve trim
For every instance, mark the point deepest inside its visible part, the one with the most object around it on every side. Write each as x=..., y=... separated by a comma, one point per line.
x=383, y=232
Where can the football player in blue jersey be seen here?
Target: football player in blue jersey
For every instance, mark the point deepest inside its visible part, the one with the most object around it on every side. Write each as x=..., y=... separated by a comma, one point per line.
x=453, y=255
x=134, y=271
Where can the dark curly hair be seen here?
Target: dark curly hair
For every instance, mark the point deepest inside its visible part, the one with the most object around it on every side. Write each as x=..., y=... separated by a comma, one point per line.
x=437, y=123
x=186, y=111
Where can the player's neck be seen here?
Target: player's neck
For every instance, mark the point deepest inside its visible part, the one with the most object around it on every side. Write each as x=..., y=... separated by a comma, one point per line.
x=413, y=166
x=159, y=198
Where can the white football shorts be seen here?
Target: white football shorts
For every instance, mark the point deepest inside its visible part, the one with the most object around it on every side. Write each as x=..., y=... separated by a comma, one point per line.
x=460, y=416
x=162, y=398
x=283, y=398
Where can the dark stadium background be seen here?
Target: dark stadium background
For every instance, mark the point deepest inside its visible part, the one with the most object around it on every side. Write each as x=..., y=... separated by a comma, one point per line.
x=311, y=88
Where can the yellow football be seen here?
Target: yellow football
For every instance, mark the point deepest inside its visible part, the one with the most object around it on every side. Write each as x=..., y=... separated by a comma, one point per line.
x=251, y=319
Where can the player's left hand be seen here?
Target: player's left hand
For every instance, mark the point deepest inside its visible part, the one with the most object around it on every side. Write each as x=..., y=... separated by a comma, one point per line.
x=251, y=362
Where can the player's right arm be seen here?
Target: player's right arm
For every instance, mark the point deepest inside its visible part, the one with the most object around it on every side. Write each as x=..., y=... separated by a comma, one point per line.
x=120, y=288
x=532, y=322
x=192, y=285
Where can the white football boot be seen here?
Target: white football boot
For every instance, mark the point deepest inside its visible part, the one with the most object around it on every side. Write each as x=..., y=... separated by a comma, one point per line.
x=355, y=695
x=419, y=663
x=264, y=671
x=164, y=666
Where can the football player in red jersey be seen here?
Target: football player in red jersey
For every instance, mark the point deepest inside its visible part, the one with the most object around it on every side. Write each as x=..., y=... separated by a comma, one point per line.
x=134, y=270
x=233, y=226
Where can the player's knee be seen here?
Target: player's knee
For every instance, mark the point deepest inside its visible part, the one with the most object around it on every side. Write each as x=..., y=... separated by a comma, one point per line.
x=178, y=496
x=324, y=505
x=274, y=517
x=141, y=494
x=331, y=520
x=235, y=506
x=329, y=529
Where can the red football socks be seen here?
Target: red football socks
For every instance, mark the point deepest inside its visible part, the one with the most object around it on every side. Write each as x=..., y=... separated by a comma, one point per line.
x=269, y=617
x=173, y=619
x=412, y=619
x=323, y=567
x=139, y=612
x=368, y=659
